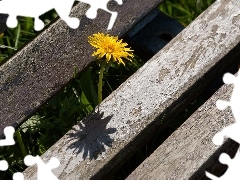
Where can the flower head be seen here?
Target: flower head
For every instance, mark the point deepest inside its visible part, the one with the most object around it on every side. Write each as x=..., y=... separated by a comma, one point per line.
x=111, y=47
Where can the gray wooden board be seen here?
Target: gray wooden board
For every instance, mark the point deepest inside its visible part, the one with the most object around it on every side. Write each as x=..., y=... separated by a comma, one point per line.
x=190, y=146
x=42, y=67
x=128, y=117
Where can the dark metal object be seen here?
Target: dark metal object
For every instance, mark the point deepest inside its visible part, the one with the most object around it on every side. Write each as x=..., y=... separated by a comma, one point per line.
x=3, y=19
x=153, y=33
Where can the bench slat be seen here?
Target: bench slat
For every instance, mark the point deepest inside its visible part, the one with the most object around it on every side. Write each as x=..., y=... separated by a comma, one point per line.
x=42, y=67
x=190, y=146
x=127, y=118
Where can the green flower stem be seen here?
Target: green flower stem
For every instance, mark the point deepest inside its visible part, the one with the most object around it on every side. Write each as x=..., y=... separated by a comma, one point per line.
x=102, y=65
x=19, y=138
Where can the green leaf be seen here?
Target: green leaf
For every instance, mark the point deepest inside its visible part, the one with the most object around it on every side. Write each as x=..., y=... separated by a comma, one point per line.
x=180, y=8
x=87, y=87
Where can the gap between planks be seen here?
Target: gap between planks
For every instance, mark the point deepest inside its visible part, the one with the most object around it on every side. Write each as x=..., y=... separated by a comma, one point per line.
x=190, y=146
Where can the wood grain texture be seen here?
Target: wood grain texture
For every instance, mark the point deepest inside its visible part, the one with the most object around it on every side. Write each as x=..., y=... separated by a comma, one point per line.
x=190, y=146
x=127, y=118
x=42, y=67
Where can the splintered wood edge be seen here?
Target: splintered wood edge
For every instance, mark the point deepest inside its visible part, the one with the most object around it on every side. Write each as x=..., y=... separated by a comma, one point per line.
x=164, y=85
x=190, y=146
x=46, y=64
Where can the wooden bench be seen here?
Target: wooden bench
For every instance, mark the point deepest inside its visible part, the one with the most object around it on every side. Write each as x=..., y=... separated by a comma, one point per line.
x=148, y=101
x=189, y=151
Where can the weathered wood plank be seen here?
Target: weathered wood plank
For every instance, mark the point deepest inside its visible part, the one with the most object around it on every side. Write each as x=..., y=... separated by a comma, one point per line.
x=163, y=86
x=43, y=66
x=190, y=146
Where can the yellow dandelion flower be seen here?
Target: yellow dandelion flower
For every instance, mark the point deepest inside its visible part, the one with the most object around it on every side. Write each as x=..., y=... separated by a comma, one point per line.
x=111, y=47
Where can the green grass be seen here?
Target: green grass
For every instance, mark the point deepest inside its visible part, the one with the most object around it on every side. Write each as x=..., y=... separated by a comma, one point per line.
x=78, y=98
x=17, y=37
x=185, y=11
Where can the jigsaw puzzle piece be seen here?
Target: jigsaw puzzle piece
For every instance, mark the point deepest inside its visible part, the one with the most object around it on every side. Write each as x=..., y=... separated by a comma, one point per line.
x=3, y=165
x=211, y=176
x=232, y=172
x=18, y=176
x=8, y=132
x=63, y=9
x=28, y=8
x=44, y=170
x=230, y=131
x=221, y=104
x=229, y=78
x=95, y=5
x=34, y=9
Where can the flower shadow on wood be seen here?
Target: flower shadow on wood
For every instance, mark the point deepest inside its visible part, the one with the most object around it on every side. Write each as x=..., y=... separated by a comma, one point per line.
x=91, y=136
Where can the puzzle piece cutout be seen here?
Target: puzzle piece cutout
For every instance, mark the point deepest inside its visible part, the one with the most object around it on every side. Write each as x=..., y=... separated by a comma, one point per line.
x=35, y=8
x=18, y=176
x=8, y=141
x=3, y=165
x=8, y=132
x=97, y=4
x=232, y=172
x=44, y=170
x=232, y=130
